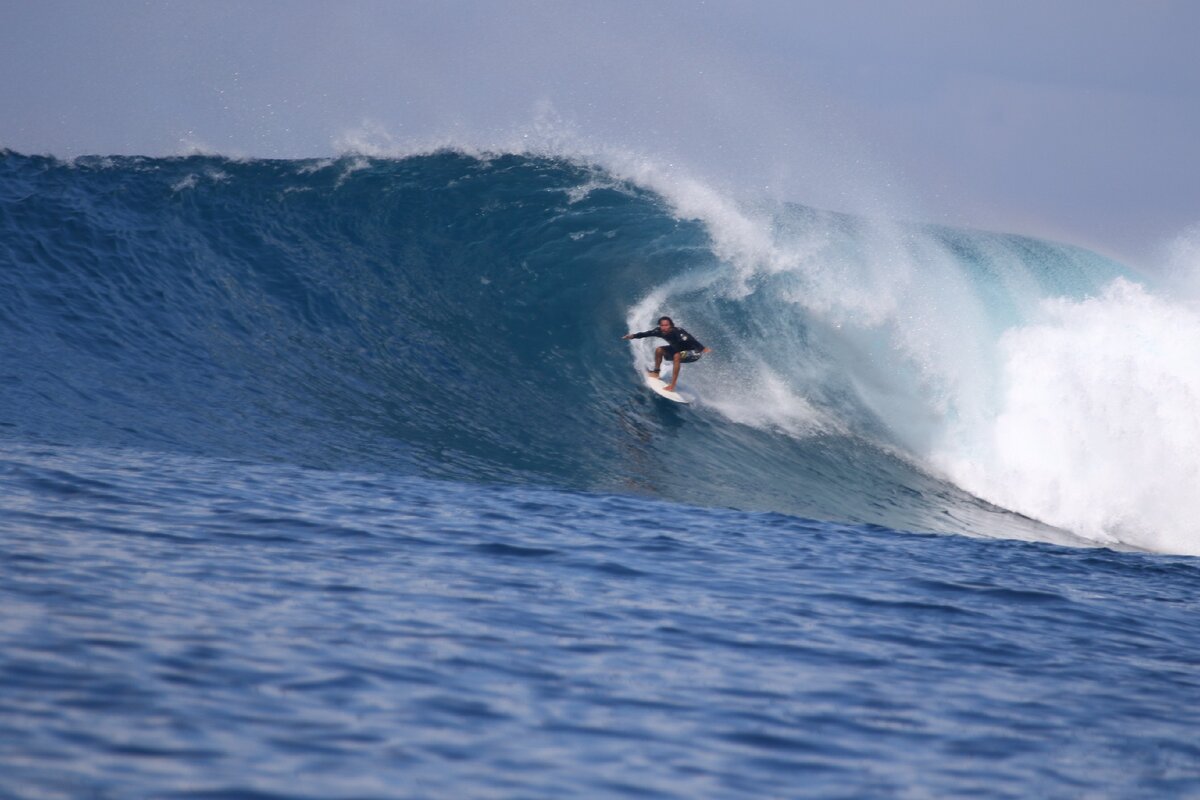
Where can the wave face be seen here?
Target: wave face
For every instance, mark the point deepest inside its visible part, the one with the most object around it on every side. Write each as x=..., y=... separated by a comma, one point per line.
x=459, y=316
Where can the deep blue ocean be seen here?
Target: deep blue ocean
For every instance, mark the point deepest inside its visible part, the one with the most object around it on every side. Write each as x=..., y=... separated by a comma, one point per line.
x=333, y=478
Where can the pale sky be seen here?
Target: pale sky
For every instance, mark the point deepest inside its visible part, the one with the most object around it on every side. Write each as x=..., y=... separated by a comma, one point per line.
x=1077, y=120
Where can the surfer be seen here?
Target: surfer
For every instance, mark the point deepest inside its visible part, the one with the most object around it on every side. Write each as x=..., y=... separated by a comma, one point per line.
x=681, y=348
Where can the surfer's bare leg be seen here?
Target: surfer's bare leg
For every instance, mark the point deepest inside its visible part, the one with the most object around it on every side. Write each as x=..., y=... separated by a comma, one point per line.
x=658, y=354
x=677, y=363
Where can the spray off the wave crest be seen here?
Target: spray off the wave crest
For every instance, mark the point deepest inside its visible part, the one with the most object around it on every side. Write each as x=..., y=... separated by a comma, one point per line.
x=1042, y=378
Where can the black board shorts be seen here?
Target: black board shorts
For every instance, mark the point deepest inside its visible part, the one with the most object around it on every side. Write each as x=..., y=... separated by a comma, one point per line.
x=688, y=355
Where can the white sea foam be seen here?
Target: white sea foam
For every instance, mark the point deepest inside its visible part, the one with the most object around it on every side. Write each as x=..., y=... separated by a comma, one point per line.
x=1099, y=423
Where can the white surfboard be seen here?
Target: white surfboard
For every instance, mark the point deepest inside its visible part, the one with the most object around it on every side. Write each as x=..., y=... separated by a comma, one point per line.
x=660, y=388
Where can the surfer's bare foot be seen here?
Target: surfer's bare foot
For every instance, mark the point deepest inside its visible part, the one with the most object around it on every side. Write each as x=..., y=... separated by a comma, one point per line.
x=670, y=388
x=653, y=372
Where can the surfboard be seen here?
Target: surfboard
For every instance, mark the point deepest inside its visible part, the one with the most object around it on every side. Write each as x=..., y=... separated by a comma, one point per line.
x=660, y=388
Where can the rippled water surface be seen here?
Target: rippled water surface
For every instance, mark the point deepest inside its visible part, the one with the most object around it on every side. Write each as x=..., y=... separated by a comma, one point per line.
x=334, y=479
x=183, y=627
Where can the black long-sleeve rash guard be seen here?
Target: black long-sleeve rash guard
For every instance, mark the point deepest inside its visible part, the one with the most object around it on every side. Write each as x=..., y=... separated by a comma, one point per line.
x=678, y=338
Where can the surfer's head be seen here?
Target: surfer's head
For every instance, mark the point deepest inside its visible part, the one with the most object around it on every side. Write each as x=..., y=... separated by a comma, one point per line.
x=665, y=323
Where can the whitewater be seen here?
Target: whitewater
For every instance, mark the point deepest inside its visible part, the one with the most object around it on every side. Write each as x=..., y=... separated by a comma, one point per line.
x=339, y=468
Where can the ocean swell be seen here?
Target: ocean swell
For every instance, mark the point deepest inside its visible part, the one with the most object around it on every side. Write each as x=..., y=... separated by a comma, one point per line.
x=459, y=316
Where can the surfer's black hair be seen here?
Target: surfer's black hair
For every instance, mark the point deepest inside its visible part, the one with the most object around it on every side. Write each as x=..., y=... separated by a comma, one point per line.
x=668, y=319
